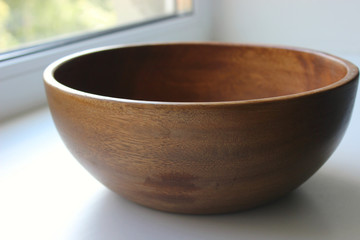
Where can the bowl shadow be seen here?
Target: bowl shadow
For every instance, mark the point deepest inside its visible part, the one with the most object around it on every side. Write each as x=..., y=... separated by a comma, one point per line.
x=326, y=206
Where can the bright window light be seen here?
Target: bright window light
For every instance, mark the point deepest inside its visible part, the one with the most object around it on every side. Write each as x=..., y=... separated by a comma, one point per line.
x=35, y=25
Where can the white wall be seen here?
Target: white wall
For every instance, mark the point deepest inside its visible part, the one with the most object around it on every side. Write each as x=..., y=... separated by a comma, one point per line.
x=328, y=25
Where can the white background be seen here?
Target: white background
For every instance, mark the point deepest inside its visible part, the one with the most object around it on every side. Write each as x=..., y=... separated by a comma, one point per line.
x=327, y=25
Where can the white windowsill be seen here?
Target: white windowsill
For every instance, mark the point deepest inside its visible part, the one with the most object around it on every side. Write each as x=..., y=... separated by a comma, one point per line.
x=46, y=194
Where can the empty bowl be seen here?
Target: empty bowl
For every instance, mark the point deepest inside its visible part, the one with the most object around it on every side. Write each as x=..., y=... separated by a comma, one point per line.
x=201, y=127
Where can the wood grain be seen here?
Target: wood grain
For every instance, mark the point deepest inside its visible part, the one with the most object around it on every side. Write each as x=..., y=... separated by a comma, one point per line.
x=201, y=127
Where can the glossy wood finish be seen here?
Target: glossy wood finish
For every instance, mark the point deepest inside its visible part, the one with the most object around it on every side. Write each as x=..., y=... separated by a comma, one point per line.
x=201, y=128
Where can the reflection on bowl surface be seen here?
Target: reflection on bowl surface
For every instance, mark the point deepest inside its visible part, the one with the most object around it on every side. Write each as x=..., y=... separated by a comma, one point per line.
x=201, y=127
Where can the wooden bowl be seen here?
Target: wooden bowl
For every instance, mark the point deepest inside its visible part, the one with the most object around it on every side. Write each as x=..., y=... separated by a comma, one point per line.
x=201, y=127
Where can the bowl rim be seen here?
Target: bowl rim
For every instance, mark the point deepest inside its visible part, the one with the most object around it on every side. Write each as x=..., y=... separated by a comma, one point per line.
x=352, y=74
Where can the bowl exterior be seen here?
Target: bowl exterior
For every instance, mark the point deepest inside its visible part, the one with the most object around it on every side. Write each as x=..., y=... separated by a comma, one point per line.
x=200, y=158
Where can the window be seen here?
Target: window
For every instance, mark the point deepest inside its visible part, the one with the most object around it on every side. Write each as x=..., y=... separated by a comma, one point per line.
x=31, y=26
x=21, y=87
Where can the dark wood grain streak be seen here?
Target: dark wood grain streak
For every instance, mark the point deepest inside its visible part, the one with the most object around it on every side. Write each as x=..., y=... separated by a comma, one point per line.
x=232, y=126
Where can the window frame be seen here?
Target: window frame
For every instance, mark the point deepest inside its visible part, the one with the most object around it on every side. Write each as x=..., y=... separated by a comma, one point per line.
x=21, y=86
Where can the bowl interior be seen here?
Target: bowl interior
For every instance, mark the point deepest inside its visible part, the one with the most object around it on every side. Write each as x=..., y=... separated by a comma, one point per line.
x=199, y=72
